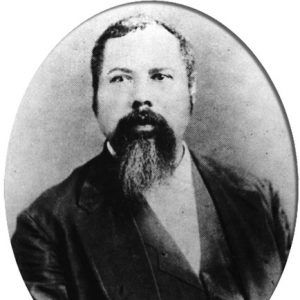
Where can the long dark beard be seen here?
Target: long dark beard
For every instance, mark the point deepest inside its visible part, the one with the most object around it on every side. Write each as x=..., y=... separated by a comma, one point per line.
x=145, y=157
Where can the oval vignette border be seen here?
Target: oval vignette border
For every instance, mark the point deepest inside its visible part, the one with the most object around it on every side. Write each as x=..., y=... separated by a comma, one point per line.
x=247, y=48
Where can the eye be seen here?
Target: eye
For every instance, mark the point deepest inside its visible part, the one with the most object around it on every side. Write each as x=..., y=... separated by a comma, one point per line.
x=119, y=78
x=160, y=76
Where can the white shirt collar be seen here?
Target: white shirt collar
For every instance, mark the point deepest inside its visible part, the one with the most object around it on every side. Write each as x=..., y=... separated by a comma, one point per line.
x=110, y=149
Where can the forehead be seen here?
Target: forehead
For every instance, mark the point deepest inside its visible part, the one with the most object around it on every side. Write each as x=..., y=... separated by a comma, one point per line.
x=153, y=46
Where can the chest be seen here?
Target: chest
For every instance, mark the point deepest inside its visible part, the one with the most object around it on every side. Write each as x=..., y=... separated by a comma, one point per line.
x=175, y=207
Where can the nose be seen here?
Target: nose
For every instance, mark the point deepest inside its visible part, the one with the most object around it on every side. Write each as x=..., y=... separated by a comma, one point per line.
x=141, y=96
x=141, y=105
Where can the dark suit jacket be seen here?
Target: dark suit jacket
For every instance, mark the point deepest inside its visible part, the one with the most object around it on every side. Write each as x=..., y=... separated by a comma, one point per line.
x=80, y=240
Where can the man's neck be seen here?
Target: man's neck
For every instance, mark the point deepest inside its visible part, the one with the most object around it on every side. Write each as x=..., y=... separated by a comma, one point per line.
x=180, y=151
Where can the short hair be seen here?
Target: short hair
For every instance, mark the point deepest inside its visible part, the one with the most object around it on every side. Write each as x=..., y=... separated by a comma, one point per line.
x=122, y=28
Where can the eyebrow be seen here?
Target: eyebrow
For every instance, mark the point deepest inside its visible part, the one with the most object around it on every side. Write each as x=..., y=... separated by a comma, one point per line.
x=125, y=70
x=157, y=70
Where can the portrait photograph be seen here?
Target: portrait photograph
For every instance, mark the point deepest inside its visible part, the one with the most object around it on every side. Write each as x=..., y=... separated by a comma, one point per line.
x=151, y=157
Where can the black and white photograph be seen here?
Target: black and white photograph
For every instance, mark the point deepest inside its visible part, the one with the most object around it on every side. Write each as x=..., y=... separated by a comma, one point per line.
x=151, y=157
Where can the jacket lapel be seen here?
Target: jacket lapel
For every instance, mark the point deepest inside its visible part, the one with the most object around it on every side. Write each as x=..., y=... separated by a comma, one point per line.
x=246, y=229
x=215, y=258
x=111, y=238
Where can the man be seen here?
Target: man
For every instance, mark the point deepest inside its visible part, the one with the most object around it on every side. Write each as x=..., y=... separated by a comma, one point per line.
x=148, y=218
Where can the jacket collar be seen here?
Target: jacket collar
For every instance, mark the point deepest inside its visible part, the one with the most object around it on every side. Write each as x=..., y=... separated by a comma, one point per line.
x=245, y=221
x=99, y=181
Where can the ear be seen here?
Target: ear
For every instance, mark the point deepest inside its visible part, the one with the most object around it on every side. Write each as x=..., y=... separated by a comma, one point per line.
x=193, y=88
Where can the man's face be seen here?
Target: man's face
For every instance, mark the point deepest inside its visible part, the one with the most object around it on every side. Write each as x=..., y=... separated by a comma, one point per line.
x=145, y=70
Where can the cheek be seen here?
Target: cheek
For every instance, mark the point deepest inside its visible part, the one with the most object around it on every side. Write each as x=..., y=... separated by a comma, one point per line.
x=179, y=120
x=176, y=110
x=111, y=110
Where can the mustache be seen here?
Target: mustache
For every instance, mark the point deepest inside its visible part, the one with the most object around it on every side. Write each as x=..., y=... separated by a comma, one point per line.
x=144, y=117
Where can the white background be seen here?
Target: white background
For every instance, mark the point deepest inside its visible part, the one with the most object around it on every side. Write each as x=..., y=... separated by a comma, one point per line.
x=30, y=29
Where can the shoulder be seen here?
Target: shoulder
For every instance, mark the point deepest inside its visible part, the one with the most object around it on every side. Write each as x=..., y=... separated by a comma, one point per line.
x=61, y=194
x=235, y=180
x=58, y=203
x=252, y=197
